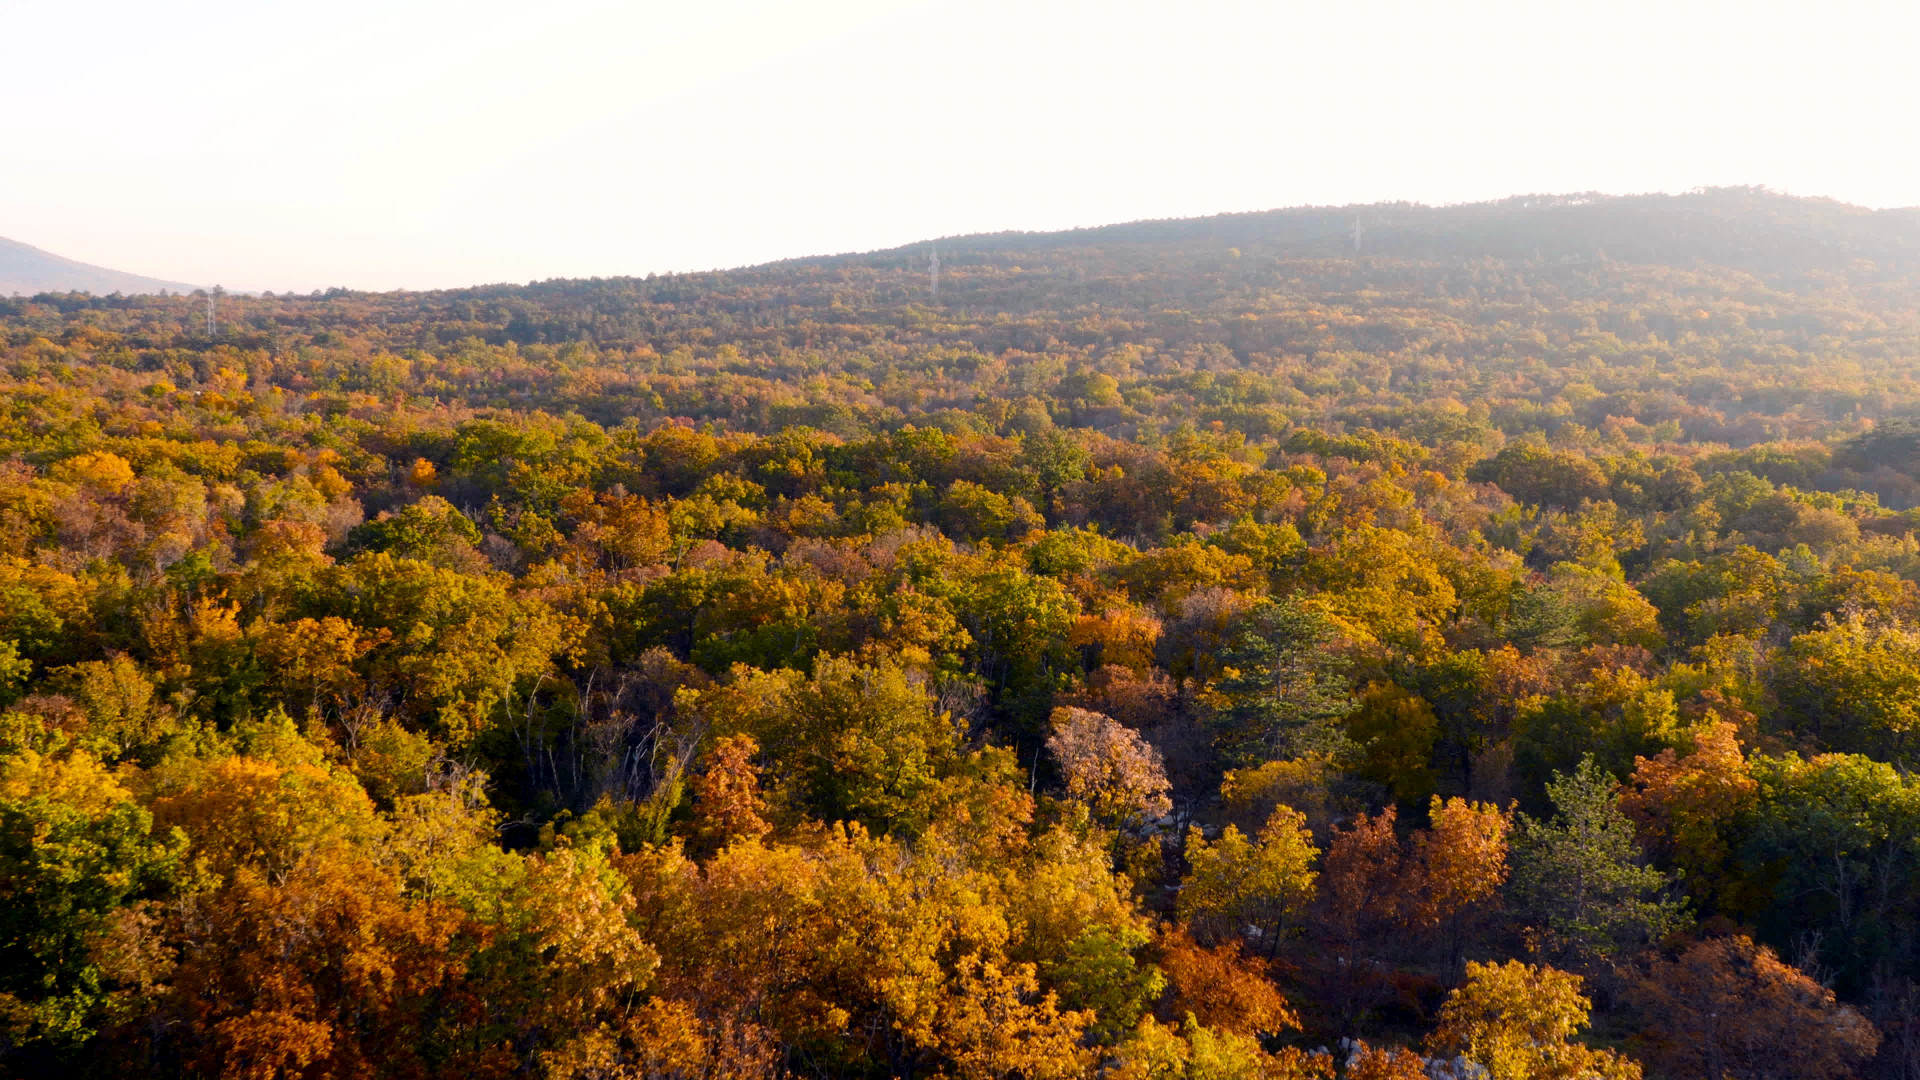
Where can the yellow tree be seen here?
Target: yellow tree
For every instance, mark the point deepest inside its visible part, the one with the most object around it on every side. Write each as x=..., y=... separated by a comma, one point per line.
x=1238, y=885
x=1123, y=635
x=1518, y=1021
x=74, y=847
x=257, y=812
x=1194, y=1051
x=996, y=1024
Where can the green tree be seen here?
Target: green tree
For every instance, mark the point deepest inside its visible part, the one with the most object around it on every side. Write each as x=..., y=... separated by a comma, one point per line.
x=1580, y=882
x=14, y=670
x=1286, y=687
x=1834, y=837
x=74, y=848
x=1395, y=732
x=431, y=529
x=1100, y=974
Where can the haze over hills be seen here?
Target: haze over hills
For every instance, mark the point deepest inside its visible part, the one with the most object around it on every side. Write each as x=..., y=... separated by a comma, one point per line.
x=1584, y=242
x=1776, y=236
x=27, y=270
x=1747, y=228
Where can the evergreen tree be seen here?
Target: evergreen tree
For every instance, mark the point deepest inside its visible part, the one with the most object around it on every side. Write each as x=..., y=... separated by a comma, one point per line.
x=1288, y=689
x=1580, y=883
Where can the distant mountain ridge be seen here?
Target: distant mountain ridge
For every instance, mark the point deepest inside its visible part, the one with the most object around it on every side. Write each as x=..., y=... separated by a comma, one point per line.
x=27, y=270
x=1782, y=237
x=1586, y=241
x=1748, y=228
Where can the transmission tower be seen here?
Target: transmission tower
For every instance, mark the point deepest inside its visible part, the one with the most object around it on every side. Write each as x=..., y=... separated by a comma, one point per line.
x=933, y=271
x=1356, y=234
x=209, y=314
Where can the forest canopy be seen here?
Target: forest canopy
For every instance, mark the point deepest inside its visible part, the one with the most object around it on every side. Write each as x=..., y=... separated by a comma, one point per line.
x=1373, y=642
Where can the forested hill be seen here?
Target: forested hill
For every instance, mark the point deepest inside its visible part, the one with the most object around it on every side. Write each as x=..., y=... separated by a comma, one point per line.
x=1792, y=242
x=1176, y=650
x=1765, y=317
x=1748, y=229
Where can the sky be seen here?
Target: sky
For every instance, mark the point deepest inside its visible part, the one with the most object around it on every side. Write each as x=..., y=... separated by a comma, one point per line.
x=383, y=144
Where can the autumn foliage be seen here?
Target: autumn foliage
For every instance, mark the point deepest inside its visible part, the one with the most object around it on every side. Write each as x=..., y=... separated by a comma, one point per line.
x=1184, y=651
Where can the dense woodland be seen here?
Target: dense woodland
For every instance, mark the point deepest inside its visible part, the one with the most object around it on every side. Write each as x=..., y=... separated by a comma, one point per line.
x=1190, y=649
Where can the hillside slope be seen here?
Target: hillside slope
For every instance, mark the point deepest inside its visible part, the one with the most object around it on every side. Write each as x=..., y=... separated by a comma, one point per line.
x=27, y=270
x=1742, y=228
x=1580, y=247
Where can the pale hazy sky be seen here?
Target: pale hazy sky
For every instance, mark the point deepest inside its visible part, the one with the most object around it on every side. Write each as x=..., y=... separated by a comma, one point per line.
x=420, y=143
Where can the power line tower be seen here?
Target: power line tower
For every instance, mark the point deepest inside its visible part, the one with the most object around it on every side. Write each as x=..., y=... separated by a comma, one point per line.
x=1356, y=234
x=933, y=271
x=213, y=297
